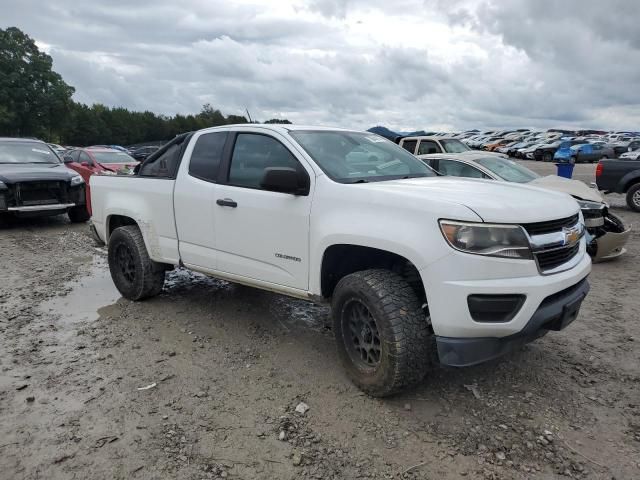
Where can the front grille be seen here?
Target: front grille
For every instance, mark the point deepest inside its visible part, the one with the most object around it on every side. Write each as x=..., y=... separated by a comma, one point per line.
x=550, y=226
x=40, y=193
x=550, y=259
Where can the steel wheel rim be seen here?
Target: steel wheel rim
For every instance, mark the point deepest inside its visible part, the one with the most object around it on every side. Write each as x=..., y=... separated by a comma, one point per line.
x=126, y=263
x=361, y=335
x=636, y=198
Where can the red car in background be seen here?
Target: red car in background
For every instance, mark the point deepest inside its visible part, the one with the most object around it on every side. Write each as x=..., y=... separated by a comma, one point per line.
x=98, y=160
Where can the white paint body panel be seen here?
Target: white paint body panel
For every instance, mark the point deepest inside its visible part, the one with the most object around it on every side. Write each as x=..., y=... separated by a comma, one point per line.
x=400, y=216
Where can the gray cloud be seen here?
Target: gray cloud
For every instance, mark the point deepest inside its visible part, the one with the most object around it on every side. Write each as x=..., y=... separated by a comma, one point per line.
x=356, y=63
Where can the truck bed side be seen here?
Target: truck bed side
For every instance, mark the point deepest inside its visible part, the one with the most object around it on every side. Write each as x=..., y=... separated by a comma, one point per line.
x=146, y=201
x=618, y=175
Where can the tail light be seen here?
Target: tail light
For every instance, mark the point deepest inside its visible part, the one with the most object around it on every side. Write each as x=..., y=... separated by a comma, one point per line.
x=599, y=169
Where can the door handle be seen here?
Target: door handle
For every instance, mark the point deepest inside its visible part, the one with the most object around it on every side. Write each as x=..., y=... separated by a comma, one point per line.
x=226, y=202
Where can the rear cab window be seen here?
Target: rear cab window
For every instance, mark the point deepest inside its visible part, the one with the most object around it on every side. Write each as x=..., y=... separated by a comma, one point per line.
x=165, y=161
x=207, y=156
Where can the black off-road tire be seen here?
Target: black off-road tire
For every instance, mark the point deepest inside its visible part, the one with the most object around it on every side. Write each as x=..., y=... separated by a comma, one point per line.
x=5, y=220
x=547, y=157
x=405, y=338
x=134, y=274
x=633, y=197
x=78, y=214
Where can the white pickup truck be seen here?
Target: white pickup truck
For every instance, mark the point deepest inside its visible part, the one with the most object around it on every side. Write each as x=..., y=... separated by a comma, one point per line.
x=412, y=263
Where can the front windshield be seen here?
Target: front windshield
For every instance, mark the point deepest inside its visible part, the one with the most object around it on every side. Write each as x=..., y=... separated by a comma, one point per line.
x=354, y=157
x=113, y=157
x=27, y=152
x=508, y=170
x=454, y=146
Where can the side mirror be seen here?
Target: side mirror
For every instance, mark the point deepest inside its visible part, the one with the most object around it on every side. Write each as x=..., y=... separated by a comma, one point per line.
x=285, y=180
x=85, y=164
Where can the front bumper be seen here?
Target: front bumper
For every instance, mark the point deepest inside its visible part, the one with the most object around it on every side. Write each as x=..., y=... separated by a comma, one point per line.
x=452, y=279
x=554, y=313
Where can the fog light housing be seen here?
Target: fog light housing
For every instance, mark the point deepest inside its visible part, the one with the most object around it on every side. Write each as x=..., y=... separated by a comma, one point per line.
x=494, y=308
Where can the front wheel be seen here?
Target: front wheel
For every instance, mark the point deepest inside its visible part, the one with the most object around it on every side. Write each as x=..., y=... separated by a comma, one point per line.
x=547, y=157
x=633, y=197
x=78, y=214
x=134, y=274
x=382, y=335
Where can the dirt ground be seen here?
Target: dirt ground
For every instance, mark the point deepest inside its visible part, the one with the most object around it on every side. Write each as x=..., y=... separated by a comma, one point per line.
x=203, y=381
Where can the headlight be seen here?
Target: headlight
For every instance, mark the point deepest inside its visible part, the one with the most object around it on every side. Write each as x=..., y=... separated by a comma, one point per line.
x=504, y=241
x=588, y=205
x=77, y=180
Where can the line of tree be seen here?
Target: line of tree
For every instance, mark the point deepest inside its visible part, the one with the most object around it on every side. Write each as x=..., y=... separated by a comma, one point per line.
x=35, y=101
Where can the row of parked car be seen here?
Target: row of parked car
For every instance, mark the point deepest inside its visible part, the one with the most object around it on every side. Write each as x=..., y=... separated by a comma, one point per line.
x=139, y=152
x=38, y=179
x=558, y=146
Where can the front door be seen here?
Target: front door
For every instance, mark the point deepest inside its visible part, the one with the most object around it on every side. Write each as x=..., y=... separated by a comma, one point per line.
x=260, y=234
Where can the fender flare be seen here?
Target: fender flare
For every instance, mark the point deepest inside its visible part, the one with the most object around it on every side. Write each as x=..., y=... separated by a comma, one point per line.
x=627, y=180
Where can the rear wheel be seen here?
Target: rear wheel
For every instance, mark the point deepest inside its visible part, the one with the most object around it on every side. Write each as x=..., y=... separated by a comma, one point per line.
x=547, y=157
x=633, y=197
x=134, y=274
x=78, y=214
x=382, y=335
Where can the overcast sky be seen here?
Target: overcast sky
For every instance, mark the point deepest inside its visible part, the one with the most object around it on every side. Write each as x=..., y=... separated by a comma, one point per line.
x=433, y=64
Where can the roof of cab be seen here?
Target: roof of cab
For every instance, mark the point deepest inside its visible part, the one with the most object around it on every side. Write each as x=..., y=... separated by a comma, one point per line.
x=284, y=127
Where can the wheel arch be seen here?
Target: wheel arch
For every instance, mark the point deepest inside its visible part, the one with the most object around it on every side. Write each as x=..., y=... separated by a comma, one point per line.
x=116, y=220
x=628, y=181
x=341, y=259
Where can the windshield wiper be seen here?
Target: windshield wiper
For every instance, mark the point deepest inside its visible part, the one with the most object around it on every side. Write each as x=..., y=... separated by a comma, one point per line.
x=361, y=180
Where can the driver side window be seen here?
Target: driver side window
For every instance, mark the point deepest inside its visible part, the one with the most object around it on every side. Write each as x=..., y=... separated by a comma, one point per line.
x=252, y=154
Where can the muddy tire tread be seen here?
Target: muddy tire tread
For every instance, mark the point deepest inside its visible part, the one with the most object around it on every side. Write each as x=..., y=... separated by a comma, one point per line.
x=153, y=273
x=412, y=344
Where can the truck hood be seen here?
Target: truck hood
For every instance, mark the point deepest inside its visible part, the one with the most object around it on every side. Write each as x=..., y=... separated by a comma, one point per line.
x=25, y=172
x=575, y=188
x=495, y=202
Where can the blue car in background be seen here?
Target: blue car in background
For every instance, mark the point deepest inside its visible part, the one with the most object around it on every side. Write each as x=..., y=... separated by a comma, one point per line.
x=575, y=152
x=565, y=152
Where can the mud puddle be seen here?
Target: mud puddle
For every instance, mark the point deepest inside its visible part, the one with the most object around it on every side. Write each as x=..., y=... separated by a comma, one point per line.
x=90, y=293
x=85, y=297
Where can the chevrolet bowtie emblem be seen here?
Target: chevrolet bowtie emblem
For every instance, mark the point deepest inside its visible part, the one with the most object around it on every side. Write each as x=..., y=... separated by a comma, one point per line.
x=572, y=235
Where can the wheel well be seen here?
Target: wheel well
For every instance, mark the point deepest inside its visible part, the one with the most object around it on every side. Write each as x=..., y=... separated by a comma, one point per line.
x=115, y=221
x=341, y=260
x=630, y=184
